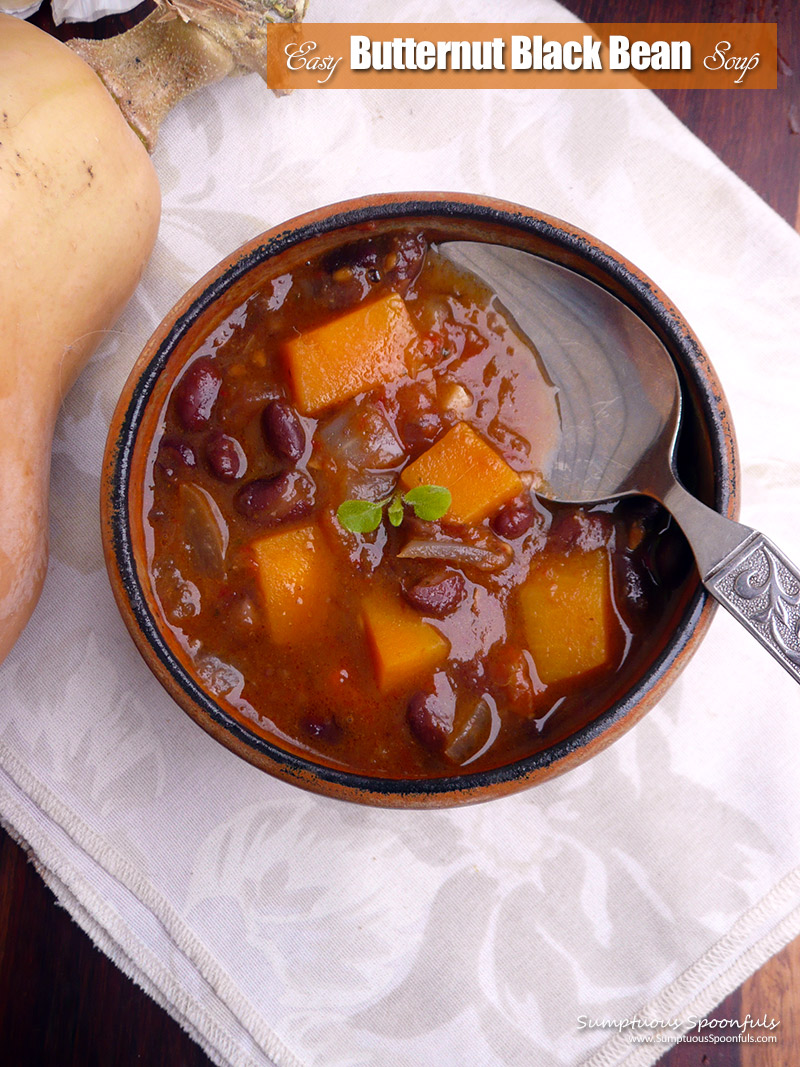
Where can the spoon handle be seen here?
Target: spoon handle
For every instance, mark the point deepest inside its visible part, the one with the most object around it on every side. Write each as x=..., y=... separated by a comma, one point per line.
x=747, y=574
x=760, y=587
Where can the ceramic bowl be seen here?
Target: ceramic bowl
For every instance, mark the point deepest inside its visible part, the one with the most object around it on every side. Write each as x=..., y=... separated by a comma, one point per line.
x=707, y=460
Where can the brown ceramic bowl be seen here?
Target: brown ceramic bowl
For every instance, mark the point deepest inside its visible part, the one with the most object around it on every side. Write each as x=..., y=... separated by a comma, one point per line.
x=707, y=460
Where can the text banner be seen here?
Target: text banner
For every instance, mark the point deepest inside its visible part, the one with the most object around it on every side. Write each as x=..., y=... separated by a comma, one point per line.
x=674, y=55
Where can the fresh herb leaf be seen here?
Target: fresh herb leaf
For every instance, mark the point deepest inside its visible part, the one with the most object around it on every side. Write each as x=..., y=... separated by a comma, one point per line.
x=395, y=511
x=359, y=516
x=430, y=502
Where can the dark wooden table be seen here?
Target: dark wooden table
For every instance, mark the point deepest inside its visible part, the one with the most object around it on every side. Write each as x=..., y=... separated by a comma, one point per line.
x=63, y=1003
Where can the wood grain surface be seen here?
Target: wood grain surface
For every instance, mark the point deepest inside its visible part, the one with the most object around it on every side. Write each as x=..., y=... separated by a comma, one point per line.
x=63, y=1003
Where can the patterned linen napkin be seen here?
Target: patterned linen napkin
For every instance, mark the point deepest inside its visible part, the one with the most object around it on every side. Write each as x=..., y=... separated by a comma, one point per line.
x=281, y=927
x=69, y=10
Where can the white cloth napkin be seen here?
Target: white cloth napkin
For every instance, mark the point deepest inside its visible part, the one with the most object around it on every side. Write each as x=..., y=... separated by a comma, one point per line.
x=280, y=927
x=69, y=10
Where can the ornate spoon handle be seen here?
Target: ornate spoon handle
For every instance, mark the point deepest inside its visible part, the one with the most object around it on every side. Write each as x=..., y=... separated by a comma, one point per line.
x=747, y=574
x=761, y=588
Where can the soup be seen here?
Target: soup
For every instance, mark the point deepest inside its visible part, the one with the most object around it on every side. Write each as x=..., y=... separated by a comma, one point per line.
x=348, y=536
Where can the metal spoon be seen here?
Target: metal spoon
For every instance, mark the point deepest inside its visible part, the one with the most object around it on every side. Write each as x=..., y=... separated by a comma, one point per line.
x=620, y=408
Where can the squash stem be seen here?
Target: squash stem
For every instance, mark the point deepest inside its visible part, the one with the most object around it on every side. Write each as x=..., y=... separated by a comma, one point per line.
x=149, y=68
x=179, y=48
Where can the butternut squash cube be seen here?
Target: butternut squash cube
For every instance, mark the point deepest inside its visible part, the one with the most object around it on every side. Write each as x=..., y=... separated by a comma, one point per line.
x=477, y=476
x=372, y=344
x=567, y=615
x=403, y=646
x=294, y=570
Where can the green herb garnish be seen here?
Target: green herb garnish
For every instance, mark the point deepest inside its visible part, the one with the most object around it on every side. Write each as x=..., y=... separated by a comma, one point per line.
x=395, y=511
x=360, y=516
x=430, y=502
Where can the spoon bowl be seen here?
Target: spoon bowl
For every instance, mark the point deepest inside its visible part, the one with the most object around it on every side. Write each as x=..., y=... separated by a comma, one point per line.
x=619, y=397
x=620, y=407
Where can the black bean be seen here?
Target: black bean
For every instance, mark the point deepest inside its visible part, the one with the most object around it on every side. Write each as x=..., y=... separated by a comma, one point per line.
x=642, y=509
x=405, y=259
x=429, y=721
x=174, y=455
x=669, y=557
x=322, y=726
x=271, y=501
x=586, y=530
x=283, y=432
x=357, y=256
x=418, y=421
x=514, y=519
x=225, y=457
x=196, y=392
x=631, y=582
x=438, y=594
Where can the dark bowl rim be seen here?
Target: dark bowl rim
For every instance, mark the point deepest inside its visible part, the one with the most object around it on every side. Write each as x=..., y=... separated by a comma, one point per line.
x=450, y=206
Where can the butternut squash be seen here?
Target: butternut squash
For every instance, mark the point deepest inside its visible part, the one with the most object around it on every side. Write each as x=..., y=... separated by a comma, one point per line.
x=355, y=352
x=79, y=212
x=294, y=570
x=479, y=479
x=568, y=616
x=403, y=646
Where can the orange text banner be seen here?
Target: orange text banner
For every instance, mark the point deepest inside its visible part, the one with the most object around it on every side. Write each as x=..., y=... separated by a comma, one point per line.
x=670, y=55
